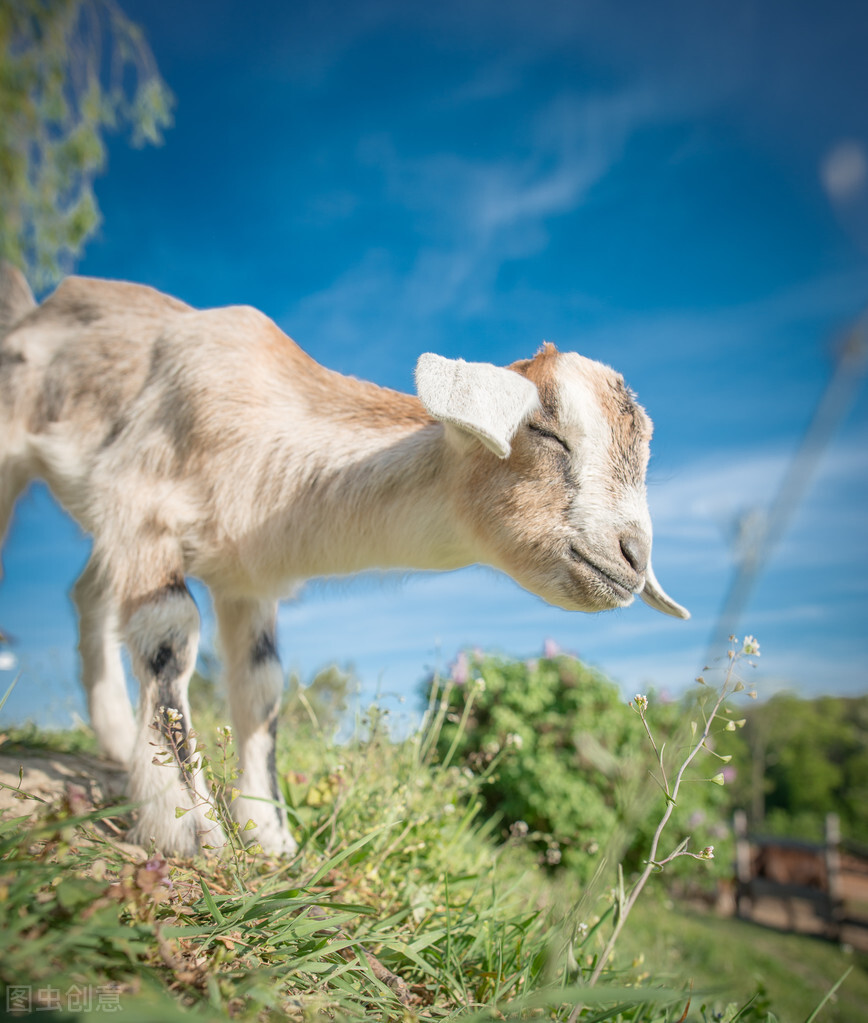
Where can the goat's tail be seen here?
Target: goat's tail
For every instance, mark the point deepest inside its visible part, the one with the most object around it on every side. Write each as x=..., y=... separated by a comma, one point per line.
x=16, y=298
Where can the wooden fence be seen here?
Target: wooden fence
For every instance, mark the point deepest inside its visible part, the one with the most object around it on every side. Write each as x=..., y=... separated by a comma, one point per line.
x=803, y=879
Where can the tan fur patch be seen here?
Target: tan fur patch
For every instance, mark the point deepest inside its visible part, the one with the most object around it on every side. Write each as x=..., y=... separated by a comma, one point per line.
x=542, y=370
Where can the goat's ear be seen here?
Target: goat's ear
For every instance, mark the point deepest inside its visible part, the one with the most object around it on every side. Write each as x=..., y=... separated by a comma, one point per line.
x=487, y=401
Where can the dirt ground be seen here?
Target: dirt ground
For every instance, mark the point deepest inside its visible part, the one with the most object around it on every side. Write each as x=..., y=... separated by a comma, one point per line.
x=83, y=782
x=49, y=776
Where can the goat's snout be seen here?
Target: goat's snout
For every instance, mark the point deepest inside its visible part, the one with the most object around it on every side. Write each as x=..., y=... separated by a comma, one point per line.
x=636, y=550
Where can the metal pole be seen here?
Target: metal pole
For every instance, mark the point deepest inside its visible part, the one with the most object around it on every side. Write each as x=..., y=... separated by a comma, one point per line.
x=850, y=366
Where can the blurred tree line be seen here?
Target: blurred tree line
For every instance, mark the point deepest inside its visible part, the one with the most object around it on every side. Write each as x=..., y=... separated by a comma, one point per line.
x=70, y=71
x=797, y=760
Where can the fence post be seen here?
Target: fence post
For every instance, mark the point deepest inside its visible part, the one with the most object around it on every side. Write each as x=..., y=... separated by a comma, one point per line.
x=832, y=857
x=742, y=866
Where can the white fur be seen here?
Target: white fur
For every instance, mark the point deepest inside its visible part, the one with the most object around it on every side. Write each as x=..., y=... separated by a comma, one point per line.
x=489, y=402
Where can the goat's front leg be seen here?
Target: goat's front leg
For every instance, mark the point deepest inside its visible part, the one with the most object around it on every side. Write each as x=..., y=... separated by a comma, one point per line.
x=162, y=635
x=255, y=683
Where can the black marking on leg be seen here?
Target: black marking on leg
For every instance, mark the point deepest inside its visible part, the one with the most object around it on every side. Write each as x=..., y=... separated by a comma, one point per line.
x=165, y=665
x=264, y=649
x=170, y=717
x=172, y=723
x=114, y=431
x=276, y=794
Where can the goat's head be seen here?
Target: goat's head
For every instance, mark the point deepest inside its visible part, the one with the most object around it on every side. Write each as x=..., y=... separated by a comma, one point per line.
x=556, y=450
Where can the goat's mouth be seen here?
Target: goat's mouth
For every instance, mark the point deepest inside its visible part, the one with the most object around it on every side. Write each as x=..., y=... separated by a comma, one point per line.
x=612, y=586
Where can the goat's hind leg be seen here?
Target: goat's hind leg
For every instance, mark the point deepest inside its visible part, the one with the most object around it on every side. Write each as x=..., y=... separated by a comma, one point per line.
x=13, y=480
x=255, y=683
x=162, y=635
x=102, y=670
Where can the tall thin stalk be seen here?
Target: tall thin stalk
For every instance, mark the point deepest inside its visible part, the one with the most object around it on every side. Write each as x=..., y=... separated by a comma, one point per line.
x=730, y=685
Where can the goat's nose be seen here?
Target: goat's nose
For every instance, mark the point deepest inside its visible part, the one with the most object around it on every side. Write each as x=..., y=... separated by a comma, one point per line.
x=636, y=550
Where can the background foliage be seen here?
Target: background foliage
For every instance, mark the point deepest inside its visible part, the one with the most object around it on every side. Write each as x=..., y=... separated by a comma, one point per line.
x=797, y=760
x=70, y=70
x=572, y=761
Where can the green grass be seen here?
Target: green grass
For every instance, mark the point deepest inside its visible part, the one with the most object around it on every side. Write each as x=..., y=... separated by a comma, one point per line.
x=398, y=860
x=739, y=958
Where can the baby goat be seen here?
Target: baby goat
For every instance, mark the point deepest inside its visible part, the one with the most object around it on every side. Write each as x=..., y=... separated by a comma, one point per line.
x=207, y=444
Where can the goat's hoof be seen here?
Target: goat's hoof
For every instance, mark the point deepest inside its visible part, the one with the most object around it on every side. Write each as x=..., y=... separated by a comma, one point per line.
x=273, y=841
x=182, y=836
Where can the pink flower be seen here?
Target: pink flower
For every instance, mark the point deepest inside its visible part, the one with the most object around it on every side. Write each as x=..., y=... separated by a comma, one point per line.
x=460, y=670
x=550, y=649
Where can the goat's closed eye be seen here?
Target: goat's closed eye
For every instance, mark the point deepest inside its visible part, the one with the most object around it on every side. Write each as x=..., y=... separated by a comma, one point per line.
x=543, y=432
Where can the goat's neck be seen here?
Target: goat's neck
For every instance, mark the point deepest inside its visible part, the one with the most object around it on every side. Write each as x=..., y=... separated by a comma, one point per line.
x=384, y=498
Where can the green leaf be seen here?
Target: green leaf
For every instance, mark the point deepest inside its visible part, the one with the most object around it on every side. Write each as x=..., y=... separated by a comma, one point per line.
x=213, y=908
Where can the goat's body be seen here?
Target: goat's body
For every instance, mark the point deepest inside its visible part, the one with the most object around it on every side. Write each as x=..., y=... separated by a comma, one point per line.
x=102, y=396
x=110, y=401
x=207, y=444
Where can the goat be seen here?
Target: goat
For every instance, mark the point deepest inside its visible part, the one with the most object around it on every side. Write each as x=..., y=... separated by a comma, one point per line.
x=208, y=444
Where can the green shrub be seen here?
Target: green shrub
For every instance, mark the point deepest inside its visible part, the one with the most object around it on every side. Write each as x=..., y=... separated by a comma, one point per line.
x=569, y=760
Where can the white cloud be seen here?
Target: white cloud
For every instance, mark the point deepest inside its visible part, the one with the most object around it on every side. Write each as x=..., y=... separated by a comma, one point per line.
x=844, y=170
x=700, y=506
x=474, y=214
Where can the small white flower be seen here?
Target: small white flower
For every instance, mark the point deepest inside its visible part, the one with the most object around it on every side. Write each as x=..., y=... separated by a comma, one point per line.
x=513, y=739
x=751, y=646
x=518, y=829
x=640, y=702
x=171, y=715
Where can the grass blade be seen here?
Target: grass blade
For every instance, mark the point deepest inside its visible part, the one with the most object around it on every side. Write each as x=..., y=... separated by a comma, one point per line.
x=829, y=994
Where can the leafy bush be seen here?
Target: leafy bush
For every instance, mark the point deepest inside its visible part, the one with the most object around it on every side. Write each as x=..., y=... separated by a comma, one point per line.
x=569, y=759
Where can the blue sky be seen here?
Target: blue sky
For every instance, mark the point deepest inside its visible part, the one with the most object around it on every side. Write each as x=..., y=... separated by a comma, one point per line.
x=677, y=189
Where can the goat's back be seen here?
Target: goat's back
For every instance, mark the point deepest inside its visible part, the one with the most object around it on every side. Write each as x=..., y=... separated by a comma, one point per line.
x=85, y=352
